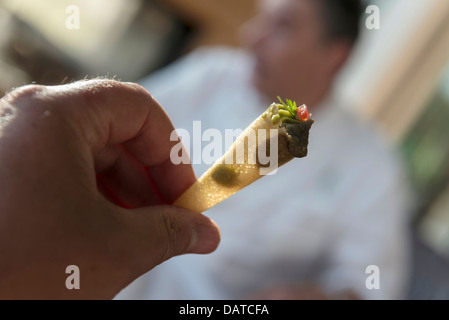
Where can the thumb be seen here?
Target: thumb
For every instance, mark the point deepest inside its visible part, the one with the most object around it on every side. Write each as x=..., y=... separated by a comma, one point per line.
x=162, y=232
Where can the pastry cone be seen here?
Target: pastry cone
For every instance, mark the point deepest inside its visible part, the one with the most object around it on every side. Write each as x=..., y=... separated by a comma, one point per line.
x=273, y=139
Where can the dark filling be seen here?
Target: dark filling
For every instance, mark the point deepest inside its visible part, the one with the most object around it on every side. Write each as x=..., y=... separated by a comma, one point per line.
x=299, y=135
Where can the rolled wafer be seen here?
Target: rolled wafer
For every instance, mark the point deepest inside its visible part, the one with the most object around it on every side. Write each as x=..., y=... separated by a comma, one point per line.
x=273, y=139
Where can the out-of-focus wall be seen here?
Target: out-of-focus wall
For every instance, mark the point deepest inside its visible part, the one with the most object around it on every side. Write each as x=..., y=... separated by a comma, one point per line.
x=396, y=69
x=123, y=38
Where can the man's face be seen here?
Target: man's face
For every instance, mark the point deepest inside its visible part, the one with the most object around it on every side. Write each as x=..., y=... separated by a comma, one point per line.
x=288, y=42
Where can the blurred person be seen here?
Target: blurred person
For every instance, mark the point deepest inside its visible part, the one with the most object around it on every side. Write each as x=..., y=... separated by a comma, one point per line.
x=314, y=229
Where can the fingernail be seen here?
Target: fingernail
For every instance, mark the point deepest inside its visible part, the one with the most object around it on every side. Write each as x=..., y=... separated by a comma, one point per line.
x=205, y=238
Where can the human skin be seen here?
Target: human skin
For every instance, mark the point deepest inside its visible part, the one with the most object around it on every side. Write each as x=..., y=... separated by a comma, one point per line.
x=294, y=58
x=85, y=180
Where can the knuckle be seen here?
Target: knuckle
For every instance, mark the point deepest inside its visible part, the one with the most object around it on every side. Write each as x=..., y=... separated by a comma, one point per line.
x=171, y=234
x=97, y=93
x=141, y=93
x=142, y=96
x=141, y=90
x=29, y=93
x=28, y=104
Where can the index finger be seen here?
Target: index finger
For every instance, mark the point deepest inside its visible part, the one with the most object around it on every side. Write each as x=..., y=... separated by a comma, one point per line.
x=108, y=112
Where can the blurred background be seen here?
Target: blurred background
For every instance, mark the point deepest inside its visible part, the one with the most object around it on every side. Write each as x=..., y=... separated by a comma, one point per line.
x=398, y=78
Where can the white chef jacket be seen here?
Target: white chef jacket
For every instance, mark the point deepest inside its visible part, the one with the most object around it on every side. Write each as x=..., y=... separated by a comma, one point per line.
x=323, y=219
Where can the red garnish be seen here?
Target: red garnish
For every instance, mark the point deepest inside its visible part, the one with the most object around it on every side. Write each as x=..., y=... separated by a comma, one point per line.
x=302, y=113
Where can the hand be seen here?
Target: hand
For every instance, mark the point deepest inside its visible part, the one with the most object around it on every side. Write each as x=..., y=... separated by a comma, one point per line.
x=74, y=160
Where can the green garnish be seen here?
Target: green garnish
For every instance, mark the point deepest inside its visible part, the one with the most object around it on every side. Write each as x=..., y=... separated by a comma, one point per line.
x=275, y=119
x=286, y=112
x=290, y=106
